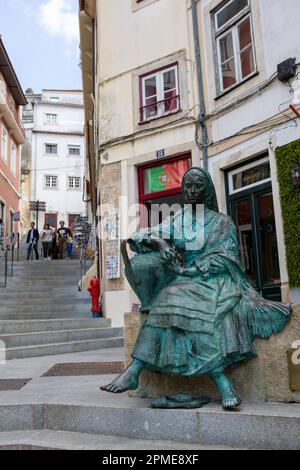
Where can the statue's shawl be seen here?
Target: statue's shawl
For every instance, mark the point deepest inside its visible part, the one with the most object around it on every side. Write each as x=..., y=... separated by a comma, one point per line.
x=253, y=316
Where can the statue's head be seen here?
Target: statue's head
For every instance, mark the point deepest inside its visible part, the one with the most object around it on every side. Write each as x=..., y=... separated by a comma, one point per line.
x=198, y=188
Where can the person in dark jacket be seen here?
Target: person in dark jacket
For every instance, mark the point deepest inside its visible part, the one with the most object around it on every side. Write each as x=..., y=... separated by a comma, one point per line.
x=32, y=240
x=63, y=233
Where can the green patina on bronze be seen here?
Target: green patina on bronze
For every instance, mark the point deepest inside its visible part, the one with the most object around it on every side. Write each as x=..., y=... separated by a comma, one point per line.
x=203, y=313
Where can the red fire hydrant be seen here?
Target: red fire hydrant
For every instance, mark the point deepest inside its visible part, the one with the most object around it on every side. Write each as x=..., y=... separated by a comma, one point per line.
x=94, y=290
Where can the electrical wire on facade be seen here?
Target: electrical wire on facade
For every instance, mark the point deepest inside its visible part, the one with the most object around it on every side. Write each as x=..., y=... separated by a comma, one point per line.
x=274, y=131
x=253, y=128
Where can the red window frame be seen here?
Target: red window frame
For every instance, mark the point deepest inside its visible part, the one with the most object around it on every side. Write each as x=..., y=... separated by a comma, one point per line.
x=144, y=198
x=168, y=192
x=152, y=72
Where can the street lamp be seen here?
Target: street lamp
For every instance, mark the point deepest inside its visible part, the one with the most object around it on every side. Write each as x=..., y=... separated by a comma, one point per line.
x=296, y=176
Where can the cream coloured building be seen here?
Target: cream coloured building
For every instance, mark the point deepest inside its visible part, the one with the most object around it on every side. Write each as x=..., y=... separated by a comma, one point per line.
x=143, y=106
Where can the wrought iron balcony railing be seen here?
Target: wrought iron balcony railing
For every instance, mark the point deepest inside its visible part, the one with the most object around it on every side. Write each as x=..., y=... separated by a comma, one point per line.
x=159, y=109
x=11, y=105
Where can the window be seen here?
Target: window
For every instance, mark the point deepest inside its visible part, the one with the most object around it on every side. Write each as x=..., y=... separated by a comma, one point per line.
x=159, y=94
x=54, y=98
x=234, y=43
x=51, y=118
x=51, y=181
x=4, y=143
x=249, y=175
x=51, y=149
x=74, y=150
x=13, y=158
x=74, y=182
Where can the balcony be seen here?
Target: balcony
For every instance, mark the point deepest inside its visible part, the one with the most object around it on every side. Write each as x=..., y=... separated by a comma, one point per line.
x=159, y=109
x=9, y=112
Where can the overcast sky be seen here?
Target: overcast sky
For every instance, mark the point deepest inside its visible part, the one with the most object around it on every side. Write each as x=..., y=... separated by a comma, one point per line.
x=42, y=40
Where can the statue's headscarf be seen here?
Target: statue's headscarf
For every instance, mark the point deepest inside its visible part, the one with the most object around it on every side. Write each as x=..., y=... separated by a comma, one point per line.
x=210, y=198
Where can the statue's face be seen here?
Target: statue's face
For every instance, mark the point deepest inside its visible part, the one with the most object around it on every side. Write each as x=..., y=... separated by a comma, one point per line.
x=194, y=188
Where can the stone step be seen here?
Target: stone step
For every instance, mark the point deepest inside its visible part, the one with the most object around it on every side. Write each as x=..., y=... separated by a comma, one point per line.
x=46, y=266
x=72, y=306
x=43, y=301
x=61, y=440
x=63, y=348
x=63, y=293
x=45, y=272
x=17, y=340
x=45, y=288
x=266, y=426
x=45, y=315
x=48, y=280
x=30, y=326
x=43, y=262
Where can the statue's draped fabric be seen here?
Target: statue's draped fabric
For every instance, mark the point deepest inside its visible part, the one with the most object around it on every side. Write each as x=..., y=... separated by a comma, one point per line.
x=198, y=325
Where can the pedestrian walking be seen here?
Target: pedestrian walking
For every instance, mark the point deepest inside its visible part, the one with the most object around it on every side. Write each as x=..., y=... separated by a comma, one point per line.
x=46, y=237
x=69, y=246
x=63, y=233
x=32, y=241
x=54, y=246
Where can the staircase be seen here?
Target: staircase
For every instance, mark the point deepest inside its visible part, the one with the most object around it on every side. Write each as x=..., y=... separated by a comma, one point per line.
x=43, y=313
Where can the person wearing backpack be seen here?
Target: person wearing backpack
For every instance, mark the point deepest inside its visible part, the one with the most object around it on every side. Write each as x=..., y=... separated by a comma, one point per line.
x=63, y=233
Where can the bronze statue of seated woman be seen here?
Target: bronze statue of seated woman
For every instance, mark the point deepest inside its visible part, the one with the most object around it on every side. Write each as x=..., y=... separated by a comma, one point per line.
x=203, y=313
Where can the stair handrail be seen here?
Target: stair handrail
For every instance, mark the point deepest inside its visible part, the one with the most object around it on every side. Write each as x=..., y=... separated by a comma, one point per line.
x=9, y=247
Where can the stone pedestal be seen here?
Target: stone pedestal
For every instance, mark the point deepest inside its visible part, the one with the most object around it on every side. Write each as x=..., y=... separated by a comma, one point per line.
x=265, y=378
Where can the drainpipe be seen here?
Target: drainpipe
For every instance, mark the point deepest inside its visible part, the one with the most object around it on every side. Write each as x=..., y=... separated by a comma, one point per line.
x=95, y=195
x=202, y=112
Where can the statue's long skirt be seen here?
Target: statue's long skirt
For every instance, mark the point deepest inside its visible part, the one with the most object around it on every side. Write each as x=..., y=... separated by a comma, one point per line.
x=177, y=352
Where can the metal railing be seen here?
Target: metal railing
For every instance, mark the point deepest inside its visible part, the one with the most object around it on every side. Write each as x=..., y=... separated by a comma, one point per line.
x=8, y=255
x=6, y=96
x=159, y=109
x=83, y=266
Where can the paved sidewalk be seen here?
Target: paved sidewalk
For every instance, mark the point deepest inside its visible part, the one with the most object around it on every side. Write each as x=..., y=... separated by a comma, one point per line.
x=53, y=405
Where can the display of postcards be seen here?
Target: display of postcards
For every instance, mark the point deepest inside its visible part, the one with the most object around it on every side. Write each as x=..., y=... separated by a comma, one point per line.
x=112, y=267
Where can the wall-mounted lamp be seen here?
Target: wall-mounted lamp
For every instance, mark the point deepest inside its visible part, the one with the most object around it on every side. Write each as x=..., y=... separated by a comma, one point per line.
x=296, y=176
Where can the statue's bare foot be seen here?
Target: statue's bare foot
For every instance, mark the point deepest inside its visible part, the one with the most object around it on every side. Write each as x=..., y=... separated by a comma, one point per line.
x=230, y=402
x=225, y=387
x=128, y=380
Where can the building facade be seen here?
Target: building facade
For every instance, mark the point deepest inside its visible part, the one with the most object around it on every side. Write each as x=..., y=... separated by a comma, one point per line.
x=53, y=159
x=12, y=137
x=174, y=83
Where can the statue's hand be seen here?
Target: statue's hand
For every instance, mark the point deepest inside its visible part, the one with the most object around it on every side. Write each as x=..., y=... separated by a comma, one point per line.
x=174, y=266
x=167, y=254
x=203, y=268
